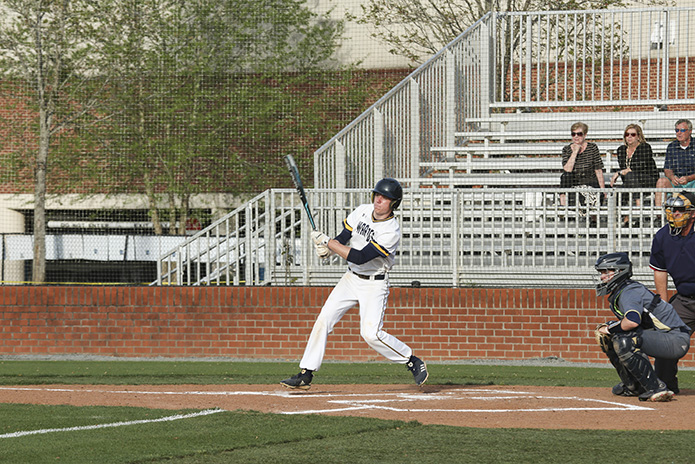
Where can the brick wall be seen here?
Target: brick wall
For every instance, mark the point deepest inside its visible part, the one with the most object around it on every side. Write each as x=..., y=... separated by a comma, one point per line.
x=637, y=79
x=441, y=324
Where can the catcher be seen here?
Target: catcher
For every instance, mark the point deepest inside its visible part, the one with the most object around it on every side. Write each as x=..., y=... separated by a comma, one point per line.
x=646, y=326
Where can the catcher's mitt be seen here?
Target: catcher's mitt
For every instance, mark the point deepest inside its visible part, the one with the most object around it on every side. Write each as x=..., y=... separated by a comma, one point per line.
x=603, y=340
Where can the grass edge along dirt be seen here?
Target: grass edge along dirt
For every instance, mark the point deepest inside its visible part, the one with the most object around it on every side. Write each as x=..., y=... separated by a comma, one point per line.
x=45, y=372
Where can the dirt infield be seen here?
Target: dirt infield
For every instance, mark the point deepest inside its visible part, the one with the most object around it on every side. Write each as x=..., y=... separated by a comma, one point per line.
x=468, y=406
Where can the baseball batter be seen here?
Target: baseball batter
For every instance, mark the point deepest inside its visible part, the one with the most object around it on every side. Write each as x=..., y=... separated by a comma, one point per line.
x=369, y=239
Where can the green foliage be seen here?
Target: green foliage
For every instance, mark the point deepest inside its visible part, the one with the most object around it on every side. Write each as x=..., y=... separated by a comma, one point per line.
x=171, y=99
x=195, y=83
x=50, y=46
x=167, y=98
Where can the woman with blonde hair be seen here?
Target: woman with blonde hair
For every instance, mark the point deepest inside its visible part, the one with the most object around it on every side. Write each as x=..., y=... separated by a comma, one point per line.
x=636, y=161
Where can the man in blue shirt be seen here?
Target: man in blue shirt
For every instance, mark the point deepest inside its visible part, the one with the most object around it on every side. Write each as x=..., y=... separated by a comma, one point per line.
x=679, y=165
x=673, y=253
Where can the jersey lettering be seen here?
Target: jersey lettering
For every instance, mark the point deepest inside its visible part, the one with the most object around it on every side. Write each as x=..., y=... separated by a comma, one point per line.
x=365, y=231
x=380, y=235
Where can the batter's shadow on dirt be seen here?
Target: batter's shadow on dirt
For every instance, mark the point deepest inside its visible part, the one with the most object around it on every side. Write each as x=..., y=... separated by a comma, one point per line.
x=432, y=388
x=375, y=388
x=448, y=387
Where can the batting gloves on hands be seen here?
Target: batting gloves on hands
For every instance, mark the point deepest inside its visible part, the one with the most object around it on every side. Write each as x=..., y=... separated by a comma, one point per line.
x=322, y=251
x=319, y=238
x=321, y=243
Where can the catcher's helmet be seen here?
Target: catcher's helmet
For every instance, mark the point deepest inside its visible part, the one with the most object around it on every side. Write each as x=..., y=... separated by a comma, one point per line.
x=390, y=188
x=618, y=262
x=683, y=202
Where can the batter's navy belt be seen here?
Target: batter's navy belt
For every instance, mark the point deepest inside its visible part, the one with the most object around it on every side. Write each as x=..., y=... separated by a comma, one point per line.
x=371, y=277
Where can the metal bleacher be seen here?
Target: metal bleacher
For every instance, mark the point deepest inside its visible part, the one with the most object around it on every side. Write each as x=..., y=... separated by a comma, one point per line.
x=475, y=136
x=524, y=149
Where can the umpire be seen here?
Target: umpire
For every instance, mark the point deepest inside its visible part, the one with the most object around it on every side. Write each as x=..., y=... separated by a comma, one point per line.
x=673, y=253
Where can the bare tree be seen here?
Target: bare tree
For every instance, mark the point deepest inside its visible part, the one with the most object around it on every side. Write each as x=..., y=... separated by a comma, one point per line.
x=417, y=29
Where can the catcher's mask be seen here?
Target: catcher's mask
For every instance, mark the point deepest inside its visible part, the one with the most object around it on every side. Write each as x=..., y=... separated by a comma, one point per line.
x=617, y=262
x=684, y=203
x=390, y=188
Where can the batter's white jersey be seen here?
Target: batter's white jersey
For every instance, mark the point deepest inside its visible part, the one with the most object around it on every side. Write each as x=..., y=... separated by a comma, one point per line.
x=384, y=234
x=370, y=294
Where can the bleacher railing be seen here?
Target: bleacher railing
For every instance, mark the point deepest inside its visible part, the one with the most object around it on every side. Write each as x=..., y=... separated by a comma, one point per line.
x=423, y=110
x=637, y=58
x=594, y=58
x=450, y=237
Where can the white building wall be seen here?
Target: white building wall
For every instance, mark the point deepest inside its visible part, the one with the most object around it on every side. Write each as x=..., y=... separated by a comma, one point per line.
x=358, y=44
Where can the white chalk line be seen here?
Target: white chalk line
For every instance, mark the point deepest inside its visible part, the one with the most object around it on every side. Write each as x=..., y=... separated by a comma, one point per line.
x=111, y=425
x=142, y=392
x=364, y=404
x=363, y=401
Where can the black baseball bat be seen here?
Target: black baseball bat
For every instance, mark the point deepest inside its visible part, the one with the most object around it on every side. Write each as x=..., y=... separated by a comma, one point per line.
x=294, y=172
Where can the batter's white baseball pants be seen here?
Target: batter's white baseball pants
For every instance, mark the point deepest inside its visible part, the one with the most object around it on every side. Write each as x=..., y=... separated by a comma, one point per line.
x=372, y=296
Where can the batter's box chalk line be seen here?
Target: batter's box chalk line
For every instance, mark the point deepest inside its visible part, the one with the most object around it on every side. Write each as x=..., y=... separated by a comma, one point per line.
x=392, y=401
x=413, y=402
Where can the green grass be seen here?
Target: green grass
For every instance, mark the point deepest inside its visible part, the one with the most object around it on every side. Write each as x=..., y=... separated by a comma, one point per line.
x=191, y=372
x=252, y=437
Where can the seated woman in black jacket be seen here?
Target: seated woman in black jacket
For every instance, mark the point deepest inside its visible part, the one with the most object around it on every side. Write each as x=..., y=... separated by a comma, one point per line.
x=636, y=160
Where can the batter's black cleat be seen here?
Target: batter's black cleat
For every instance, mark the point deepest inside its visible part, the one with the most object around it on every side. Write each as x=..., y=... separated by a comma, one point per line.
x=301, y=381
x=419, y=370
x=660, y=395
x=622, y=390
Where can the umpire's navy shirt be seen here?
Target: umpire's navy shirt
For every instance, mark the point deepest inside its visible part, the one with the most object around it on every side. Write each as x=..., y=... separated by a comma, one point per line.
x=675, y=254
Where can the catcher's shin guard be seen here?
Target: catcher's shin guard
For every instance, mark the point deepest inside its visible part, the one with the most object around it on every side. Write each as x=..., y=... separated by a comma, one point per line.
x=635, y=362
x=627, y=380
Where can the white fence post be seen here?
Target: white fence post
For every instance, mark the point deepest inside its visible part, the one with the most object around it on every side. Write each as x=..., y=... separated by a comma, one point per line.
x=414, y=129
x=378, y=155
x=340, y=166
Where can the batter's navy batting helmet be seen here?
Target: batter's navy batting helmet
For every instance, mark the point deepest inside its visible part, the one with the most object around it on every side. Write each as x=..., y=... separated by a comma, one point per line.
x=684, y=202
x=621, y=265
x=390, y=188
